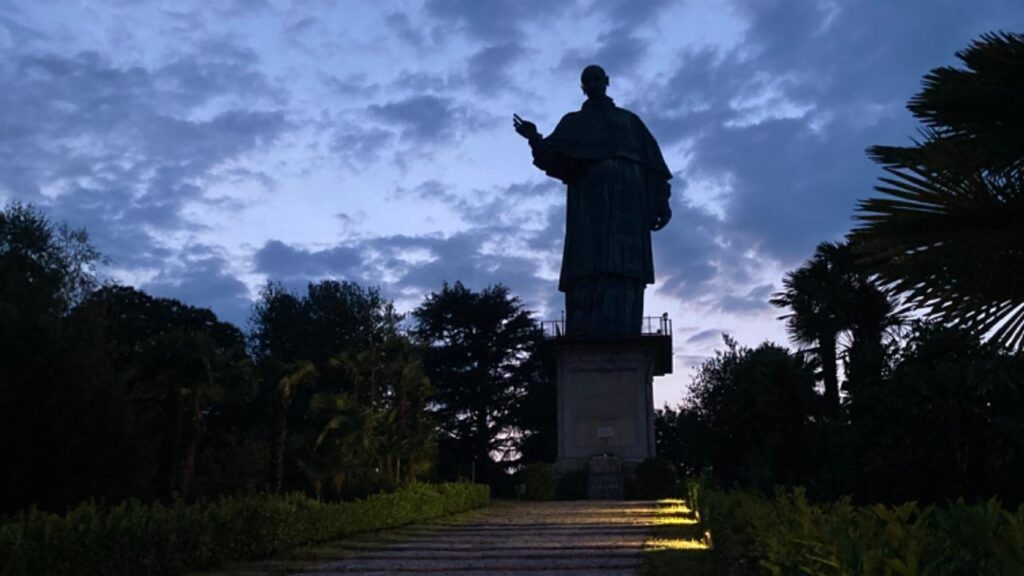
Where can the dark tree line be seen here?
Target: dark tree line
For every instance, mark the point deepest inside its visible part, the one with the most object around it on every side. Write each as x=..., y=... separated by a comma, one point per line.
x=109, y=393
x=942, y=421
x=875, y=404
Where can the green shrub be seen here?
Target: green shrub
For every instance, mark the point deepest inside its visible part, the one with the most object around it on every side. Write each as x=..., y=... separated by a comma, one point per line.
x=655, y=478
x=786, y=535
x=539, y=481
x=154, y=539
x=572, y=485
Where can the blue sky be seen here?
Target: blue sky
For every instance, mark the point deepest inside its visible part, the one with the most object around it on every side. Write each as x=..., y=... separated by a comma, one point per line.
x=210, y=146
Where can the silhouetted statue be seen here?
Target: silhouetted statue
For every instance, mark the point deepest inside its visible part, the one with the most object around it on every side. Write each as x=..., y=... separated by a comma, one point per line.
x=618, y=192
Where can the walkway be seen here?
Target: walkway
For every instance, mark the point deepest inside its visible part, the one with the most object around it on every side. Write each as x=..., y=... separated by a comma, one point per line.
x=507, y=539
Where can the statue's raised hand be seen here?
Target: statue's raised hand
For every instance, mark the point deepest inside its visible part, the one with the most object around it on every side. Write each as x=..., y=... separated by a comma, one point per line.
x=525, y=128
x=662, y=211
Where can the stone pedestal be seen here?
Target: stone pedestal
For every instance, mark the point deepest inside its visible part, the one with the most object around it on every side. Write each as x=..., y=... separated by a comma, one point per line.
x=605, y=398
x=604, y=479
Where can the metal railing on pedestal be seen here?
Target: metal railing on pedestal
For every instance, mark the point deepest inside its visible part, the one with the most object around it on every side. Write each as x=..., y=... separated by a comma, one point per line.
x=650, y=326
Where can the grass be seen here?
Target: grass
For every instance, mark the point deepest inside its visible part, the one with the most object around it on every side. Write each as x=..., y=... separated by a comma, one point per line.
x=678, y=544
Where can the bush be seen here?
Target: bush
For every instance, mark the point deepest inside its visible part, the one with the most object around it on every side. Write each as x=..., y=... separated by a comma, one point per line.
x=539, y=481
x=572, y=485
x=786, y=535
x=655, y=478
x=154, y=539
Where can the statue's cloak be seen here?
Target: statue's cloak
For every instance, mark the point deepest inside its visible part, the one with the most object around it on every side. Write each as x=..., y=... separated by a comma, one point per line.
x=616, y=177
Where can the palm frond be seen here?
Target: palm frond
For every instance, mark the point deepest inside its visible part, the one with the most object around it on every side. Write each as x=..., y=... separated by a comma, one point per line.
x=980, y=107
x=951, y=243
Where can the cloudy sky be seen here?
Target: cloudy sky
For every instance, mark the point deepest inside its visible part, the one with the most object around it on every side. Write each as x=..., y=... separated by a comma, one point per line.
x=209, y=146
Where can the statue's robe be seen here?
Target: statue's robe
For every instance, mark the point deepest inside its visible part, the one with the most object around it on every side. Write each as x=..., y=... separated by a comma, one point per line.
x=616, y=179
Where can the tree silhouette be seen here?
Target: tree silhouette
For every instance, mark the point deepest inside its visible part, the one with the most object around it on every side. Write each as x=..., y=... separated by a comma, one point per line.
x=819, y=296
x=44, y=271
x=110, y=393
x=176, y=362
x=331, y=354
x=756, y=408
x=945, y=425
x=830, y=296
x=297, y=375
x=948, y=233
x=481, y=359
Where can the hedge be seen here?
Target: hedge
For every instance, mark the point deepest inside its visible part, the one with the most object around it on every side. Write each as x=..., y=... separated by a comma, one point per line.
x=539, y=481
x=786, y=535
x=655, y=478
x=153, y=539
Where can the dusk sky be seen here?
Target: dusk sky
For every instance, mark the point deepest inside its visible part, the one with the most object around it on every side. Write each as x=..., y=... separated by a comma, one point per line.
x=210, y=146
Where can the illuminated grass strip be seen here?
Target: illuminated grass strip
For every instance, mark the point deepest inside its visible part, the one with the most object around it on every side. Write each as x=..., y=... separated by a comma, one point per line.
x=677, y=544
x=674, y=521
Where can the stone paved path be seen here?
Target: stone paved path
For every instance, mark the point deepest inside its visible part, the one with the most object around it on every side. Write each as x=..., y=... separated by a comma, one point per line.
x=507, y=539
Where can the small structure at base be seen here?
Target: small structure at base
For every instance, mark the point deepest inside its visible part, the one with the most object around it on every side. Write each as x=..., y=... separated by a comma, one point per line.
x=604, y=479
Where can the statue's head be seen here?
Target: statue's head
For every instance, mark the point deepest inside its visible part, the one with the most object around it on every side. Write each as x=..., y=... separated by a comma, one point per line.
x=594, y=81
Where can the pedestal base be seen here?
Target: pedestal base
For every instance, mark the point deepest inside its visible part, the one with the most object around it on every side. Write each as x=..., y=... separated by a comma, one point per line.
x=605, y=479
x=605, y=400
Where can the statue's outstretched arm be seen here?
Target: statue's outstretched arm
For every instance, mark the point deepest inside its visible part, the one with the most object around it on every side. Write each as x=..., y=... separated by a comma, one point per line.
x=526, y=129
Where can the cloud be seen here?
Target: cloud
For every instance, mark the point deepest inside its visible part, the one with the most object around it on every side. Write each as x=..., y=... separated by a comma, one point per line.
x=767, y=133
x=406, y=266
x=402, y=26
x=14, y=34
x=201, y=276
x=352, y=85
x=690, y=360
x=617, y=50
x=428, y=119
x=217, y=69
x=519, y=209
x=360, y=146
x=125, y=150
x=711, y=335
x=551, y=236
x=755, y=300
x=688, y=255
x=492, y=20
x=238, y=8
x=630, y=13
x=488, y=68
x=460, y=257
x=623, y=40
x=784, y=117
x=419, y=82
x=279, y=261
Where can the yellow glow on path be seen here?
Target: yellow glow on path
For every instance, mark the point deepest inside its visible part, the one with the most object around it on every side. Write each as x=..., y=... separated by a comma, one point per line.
x=676, y=544
x=673, y=521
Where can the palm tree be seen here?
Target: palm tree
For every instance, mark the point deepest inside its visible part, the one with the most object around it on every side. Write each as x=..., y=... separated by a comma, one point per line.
x=872, y=316
x=819, y=295
x=829, y=296
x=949, y=233
x=412, y=423
x=348, y=443
x=297, y=375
